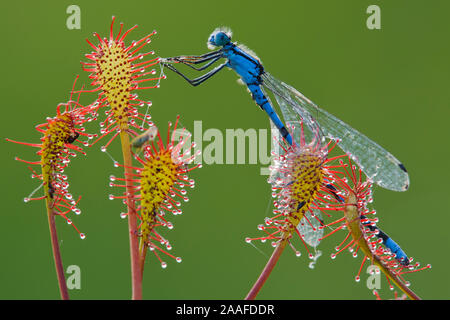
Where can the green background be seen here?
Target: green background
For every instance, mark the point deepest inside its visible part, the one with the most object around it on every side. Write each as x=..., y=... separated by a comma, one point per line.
x=392, y=84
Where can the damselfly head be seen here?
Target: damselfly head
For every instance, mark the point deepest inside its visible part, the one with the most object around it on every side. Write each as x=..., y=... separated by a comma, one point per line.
x=219, y=37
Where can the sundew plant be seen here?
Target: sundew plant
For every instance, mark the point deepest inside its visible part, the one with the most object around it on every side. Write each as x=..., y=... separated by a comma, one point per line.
x=315, y=193
x=322, y=175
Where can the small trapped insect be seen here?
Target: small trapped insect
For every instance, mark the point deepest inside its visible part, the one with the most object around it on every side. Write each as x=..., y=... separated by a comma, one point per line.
x=143, y=139
x=73, y=136
x=51, y=190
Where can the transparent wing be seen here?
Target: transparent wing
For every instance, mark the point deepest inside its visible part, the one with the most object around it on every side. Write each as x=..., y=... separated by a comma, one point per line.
x=310, y=231
x=275, y=168
x=377, y=163
x=292, y=119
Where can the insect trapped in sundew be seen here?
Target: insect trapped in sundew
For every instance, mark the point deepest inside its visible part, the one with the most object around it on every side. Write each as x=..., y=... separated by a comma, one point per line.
x=143, y=139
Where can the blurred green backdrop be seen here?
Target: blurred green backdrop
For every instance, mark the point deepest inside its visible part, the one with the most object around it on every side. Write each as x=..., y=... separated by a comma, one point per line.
x=392, y=84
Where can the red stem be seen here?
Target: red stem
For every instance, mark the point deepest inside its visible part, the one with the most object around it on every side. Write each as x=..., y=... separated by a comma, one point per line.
x=57, y=254
x=136, y=273
x=267, y=270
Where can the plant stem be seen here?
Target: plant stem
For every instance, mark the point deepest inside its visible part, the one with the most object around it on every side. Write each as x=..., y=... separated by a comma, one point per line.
x=56, y=252
x=136, y=274
x=352, y=216
x=143, y=253
x=399, y=284
x=267, y=269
